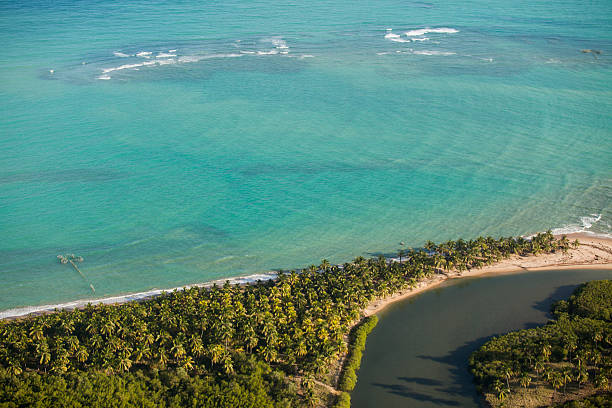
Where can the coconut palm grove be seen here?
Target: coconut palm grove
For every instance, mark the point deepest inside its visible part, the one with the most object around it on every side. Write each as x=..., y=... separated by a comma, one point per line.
x=278, y=343
x=570, y=354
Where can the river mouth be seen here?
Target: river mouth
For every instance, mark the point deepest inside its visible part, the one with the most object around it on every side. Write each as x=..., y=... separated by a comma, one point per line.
x=417, y=356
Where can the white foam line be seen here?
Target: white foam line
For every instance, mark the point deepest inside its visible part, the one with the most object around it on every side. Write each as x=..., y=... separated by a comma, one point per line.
x=395, y=38
x=585, y=223
x=22, y=311
x=165, y=55
x=165, y=61
x=422, y=31
x=428, y=52
x=127, y=66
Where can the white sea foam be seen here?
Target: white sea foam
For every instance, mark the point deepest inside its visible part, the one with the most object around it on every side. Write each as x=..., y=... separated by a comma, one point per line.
x=280, y=46
x=22, y=311
x=128, y=66
x=120, y=54
x=429, y=52
x=189, y=58
x=231, y=55
x=306, y=56
x=421, y=31
x=165, y=55
x=104, y=77
x=171, y=50
x=279, y=43
x=166, y=61
x=196, y=58
x=420, y=39
x=396, y=38
x=585, y=225
x=144, y=54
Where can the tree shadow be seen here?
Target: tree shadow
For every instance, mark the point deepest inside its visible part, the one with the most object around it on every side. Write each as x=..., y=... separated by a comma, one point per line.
x=406, y=392
x=562, y=292
x=421, y=381
x=423, y=389
x=461, y=383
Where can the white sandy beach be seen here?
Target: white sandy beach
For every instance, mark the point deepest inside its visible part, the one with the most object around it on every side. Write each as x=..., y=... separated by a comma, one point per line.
x=593, y=253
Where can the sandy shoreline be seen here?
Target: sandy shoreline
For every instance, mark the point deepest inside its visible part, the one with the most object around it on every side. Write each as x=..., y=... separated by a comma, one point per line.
x=596, y=252
x=593, y=253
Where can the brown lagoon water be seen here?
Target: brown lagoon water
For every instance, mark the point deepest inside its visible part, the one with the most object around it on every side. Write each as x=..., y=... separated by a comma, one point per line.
x=417, y=355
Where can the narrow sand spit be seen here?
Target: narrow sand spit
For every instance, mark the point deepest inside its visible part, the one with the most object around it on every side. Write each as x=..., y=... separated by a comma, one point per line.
x=593, y=253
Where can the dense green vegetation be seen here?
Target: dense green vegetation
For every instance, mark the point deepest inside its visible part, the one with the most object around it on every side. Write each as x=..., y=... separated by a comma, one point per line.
x=571, y=352
x=591, y=300
x=254, y=386
x=596, y=401
x=344, y=400
x=348, y=378
x=185, y=343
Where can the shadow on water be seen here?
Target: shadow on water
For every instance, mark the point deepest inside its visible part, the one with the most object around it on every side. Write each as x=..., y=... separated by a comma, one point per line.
x=412, y=362
x=405, y=391
x=435, y=391
x=562, y=292
x=457, y=360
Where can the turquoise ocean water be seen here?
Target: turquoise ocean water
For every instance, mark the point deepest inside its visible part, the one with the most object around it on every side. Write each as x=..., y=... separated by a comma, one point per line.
x=178, y=142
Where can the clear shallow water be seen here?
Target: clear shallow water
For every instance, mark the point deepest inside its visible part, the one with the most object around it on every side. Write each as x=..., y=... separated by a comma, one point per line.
x=258, y=135
x=417, y=356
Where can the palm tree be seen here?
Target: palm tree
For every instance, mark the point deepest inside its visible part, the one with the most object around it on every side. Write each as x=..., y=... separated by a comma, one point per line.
x=566, y=377
x=81, y=354
x=228, y=365
x=556, y=381
x=187, y=363
x=124, y=362
x=162, y=357
x=216, y=353
x=582, y=376
x=500, y=391
x=508, y=373
x=525, y=380
x=36, y=333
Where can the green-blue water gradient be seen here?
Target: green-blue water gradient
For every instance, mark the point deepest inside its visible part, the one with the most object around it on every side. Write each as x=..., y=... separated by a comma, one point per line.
x=262, y=135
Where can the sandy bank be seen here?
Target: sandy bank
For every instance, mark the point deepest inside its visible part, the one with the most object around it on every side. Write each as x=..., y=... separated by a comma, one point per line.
x=593, y=253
